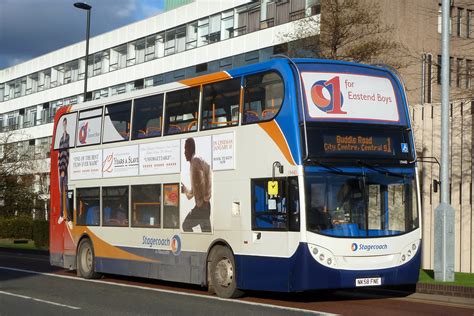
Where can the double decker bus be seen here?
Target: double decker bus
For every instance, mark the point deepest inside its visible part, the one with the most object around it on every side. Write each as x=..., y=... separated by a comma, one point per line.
x=287, y=175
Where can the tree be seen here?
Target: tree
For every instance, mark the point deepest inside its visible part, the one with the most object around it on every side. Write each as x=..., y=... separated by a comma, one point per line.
x=17, y=168
x=349, y=30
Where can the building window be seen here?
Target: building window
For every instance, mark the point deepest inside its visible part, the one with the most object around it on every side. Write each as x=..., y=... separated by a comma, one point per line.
x=451, y=62
x=118, y=57
x=227, y=25
x=215, y=28
x=115, y=206
x=71, y=71
x=468, y=73
x=429, y=78
x=440, y=19
x=438, y=70
x=139, y=47
x=150, y=48
x=459, y=19
x=191, y=35
x=203, y=32
x=170, y=42
x=458, y=72
x=469, y=23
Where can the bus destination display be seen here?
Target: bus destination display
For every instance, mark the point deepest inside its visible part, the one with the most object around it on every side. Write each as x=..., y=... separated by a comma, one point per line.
x=356, y=144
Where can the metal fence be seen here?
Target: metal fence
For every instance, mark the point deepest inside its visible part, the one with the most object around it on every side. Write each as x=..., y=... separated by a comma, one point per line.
x=427, y=127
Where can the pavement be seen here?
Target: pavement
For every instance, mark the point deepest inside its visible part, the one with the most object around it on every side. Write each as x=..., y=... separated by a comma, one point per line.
x=29, y=285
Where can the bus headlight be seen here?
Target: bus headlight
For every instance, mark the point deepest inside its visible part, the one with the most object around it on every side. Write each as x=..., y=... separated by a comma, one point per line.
x=322, y=255
x=409, y=252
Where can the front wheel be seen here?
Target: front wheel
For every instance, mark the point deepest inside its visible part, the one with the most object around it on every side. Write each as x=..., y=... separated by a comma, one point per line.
x=223, y=276
x=86, y=260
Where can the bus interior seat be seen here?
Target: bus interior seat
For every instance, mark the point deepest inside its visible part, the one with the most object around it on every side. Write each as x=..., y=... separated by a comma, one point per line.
x=268, y=113
x=153, y=131
x=251, y=116
x=92, y=217
x=174, y=129
x=192, y=126
x=141, y=134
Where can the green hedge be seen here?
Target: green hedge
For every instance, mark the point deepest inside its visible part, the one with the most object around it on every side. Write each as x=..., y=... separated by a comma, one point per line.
x=41, y=233
x=21, y=227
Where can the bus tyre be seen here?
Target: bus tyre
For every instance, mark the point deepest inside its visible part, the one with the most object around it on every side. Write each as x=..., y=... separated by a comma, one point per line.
x=223, y=273
x=86, y=260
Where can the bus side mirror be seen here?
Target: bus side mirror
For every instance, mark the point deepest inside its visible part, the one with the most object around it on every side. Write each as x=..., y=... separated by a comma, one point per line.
x=436, y=183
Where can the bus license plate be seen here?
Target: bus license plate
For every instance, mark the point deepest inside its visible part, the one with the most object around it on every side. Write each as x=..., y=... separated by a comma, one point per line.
x=368, y=282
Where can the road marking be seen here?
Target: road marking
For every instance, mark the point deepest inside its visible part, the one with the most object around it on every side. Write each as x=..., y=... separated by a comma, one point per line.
x=172, y=292
x=38, y=300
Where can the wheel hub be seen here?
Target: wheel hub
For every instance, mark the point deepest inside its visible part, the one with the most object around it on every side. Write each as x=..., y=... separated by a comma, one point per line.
x=224, y=272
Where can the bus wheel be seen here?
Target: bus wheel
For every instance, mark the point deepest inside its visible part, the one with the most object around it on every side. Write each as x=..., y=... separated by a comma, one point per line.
x=222, y=271
x=85, y=260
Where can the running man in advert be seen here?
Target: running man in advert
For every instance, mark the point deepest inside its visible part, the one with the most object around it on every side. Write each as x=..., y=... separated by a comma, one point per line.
x=201, y=188
x=63, y=162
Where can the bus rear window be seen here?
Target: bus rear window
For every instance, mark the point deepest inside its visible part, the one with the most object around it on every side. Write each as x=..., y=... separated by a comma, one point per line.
x=263, y=97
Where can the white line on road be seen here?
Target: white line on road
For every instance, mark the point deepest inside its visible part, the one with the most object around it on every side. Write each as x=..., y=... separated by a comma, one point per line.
x=172, y=292
x=39, y=300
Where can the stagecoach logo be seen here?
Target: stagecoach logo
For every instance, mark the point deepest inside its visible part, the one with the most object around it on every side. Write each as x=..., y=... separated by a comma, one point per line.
x=363, y=247
x=176, y=245
x=327, y=96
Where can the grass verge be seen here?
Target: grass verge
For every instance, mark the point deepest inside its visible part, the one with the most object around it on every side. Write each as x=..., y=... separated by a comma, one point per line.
x=460, y=279
x=9, y=243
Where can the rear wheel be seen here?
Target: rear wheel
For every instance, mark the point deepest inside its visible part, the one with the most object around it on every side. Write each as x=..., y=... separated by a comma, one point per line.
x=86, y=260
x=223, y=273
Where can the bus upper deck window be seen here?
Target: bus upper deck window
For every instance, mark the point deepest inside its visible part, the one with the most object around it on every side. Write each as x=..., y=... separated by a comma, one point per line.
x=181, y=111
x=117, y=122
x=263, y=97
x=220, y=105
x=147, y=117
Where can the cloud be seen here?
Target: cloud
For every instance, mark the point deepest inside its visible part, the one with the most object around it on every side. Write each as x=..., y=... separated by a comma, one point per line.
x=30, y=28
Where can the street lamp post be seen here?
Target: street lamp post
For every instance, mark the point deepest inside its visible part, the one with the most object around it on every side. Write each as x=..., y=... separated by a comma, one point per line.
x=85, y=6
x=444, y=213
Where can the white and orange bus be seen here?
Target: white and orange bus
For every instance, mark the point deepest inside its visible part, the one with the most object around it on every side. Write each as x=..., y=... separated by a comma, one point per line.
x=287, y=175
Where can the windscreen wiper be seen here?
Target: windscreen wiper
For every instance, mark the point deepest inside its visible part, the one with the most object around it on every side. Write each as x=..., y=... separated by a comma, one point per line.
x=380, y=169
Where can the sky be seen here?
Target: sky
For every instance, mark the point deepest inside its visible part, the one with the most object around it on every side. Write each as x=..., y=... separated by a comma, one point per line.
x=31, y=28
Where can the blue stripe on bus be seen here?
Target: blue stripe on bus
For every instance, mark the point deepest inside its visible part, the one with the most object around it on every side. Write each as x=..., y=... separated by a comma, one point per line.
x=301, y=272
